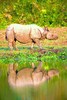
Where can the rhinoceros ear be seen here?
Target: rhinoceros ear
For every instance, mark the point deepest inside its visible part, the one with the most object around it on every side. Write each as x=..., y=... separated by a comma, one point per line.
x=46, y=29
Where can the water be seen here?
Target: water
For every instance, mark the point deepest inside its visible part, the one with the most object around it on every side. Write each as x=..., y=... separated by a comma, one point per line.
x=54, y=89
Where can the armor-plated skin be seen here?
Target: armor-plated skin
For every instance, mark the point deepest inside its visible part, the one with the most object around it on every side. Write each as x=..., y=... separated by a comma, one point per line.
x=27, y=33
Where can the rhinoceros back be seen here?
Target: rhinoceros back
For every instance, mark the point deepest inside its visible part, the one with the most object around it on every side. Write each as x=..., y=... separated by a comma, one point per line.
x=18, y=28
x=25, y=33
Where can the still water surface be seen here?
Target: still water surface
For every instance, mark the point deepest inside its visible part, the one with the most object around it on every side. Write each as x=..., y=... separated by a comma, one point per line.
x=54, y=89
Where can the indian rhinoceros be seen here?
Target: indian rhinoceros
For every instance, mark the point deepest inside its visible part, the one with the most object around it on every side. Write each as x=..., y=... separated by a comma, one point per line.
x=29, y=76
x=26, y=76
x=27, y=33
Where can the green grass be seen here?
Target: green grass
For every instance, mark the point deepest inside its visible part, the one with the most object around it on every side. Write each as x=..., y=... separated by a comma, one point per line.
x=24, y=56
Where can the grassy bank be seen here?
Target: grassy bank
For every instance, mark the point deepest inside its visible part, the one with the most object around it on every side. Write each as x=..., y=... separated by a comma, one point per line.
x=51, y=57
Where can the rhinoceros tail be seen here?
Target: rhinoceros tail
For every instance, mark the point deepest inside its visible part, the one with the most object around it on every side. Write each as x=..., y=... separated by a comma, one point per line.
x=5, y=35
x=10, y=31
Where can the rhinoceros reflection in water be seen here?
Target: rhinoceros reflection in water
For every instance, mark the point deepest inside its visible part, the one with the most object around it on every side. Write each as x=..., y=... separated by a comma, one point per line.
x=29, y=76
x=27, y=33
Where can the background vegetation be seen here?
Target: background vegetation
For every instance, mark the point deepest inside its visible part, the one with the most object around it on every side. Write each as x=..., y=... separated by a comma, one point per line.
x=42, y=12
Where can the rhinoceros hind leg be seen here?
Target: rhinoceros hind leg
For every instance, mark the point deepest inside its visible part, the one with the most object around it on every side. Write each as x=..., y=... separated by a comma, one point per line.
x=14, y=45
x=10, y=46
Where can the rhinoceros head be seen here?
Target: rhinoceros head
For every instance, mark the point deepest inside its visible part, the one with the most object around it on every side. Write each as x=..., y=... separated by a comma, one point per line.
x=49, y=35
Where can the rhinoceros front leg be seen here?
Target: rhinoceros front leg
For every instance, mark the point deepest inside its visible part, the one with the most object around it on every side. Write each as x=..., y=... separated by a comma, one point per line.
x=32, y=45
x=37, y=41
